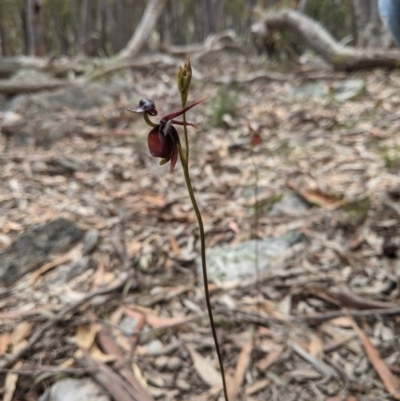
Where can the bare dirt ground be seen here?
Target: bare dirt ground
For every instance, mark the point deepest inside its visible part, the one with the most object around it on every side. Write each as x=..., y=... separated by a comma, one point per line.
x=321, y=323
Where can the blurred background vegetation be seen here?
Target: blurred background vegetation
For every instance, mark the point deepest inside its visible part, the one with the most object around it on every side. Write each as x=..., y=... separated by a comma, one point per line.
x=103, y=27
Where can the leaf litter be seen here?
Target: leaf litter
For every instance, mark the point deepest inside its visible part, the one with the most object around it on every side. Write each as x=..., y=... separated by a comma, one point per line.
x=128, y=298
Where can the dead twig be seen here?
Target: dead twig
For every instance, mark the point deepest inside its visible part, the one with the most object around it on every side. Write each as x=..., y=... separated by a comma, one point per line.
x=47, y=369
x=319, y=365
x=316, y=318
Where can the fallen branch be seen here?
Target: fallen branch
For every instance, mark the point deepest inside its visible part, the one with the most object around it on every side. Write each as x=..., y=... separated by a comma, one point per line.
x=321, y=41
x=13, y=87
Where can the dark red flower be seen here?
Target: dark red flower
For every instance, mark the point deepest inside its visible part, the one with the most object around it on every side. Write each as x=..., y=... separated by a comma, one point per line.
x=163, y=139
x=163, y=142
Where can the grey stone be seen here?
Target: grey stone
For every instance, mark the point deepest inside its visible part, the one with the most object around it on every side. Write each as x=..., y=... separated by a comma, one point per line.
x=289, y=204
x=174, y=363
x=161, y=362
x=154, y=347
x=90, y=242
x=310, y=91
x=75, y=390
x=349, y=89
x=232, y=262
x=128, y=325
x=36, y=246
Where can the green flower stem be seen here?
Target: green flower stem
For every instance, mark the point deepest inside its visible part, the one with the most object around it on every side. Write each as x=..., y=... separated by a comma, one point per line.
x=148, y=121
x=188, y=182
x=185, y=166
x=183, y=101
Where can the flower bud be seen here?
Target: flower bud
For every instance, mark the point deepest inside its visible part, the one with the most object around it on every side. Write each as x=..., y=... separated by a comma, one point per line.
x=185, y=76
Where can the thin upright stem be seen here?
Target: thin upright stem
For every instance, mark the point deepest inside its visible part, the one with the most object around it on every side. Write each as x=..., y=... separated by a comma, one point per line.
x=255, y=234
x=204, y=269
x=183, y=101
x=185, y=166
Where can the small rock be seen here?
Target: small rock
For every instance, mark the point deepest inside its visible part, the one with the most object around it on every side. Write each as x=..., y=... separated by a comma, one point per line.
x=90, y=241
x=10, y=119
x=128, y=325
x=75, y=390
x=5, y=240
x=154, y=347
x=310, y=91
x=183, y=385
x=289, y=204
x=161, y=362
x=174, y=363
x=349, y=89
x=12, y=123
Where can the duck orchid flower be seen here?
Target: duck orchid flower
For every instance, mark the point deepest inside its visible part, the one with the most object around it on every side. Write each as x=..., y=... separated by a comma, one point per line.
x=163, y=139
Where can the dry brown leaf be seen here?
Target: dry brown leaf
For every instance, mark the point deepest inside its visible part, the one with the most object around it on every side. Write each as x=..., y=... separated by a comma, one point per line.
x=391, y=382
x=67, y=363
x=159, y=321
x=99, y=356
x=271, y=358
x=341, y=321
x=326, y=201
x=135, y=314
x=257, y=386
x=317, y=197
x=20, y=333
x=337, y=339
x=174, y=244
x=116, y=316
x=204, y=368
x=85, y=335
x=139, y=375
x=241, y=368
x=285, y=305
x=316, y=347
x=48, y=266
x=272, y=310
x=10, y=383
x=5, y=341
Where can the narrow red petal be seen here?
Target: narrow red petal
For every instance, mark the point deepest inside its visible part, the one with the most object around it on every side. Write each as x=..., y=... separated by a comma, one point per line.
x=184, y=110
x=174, y=157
